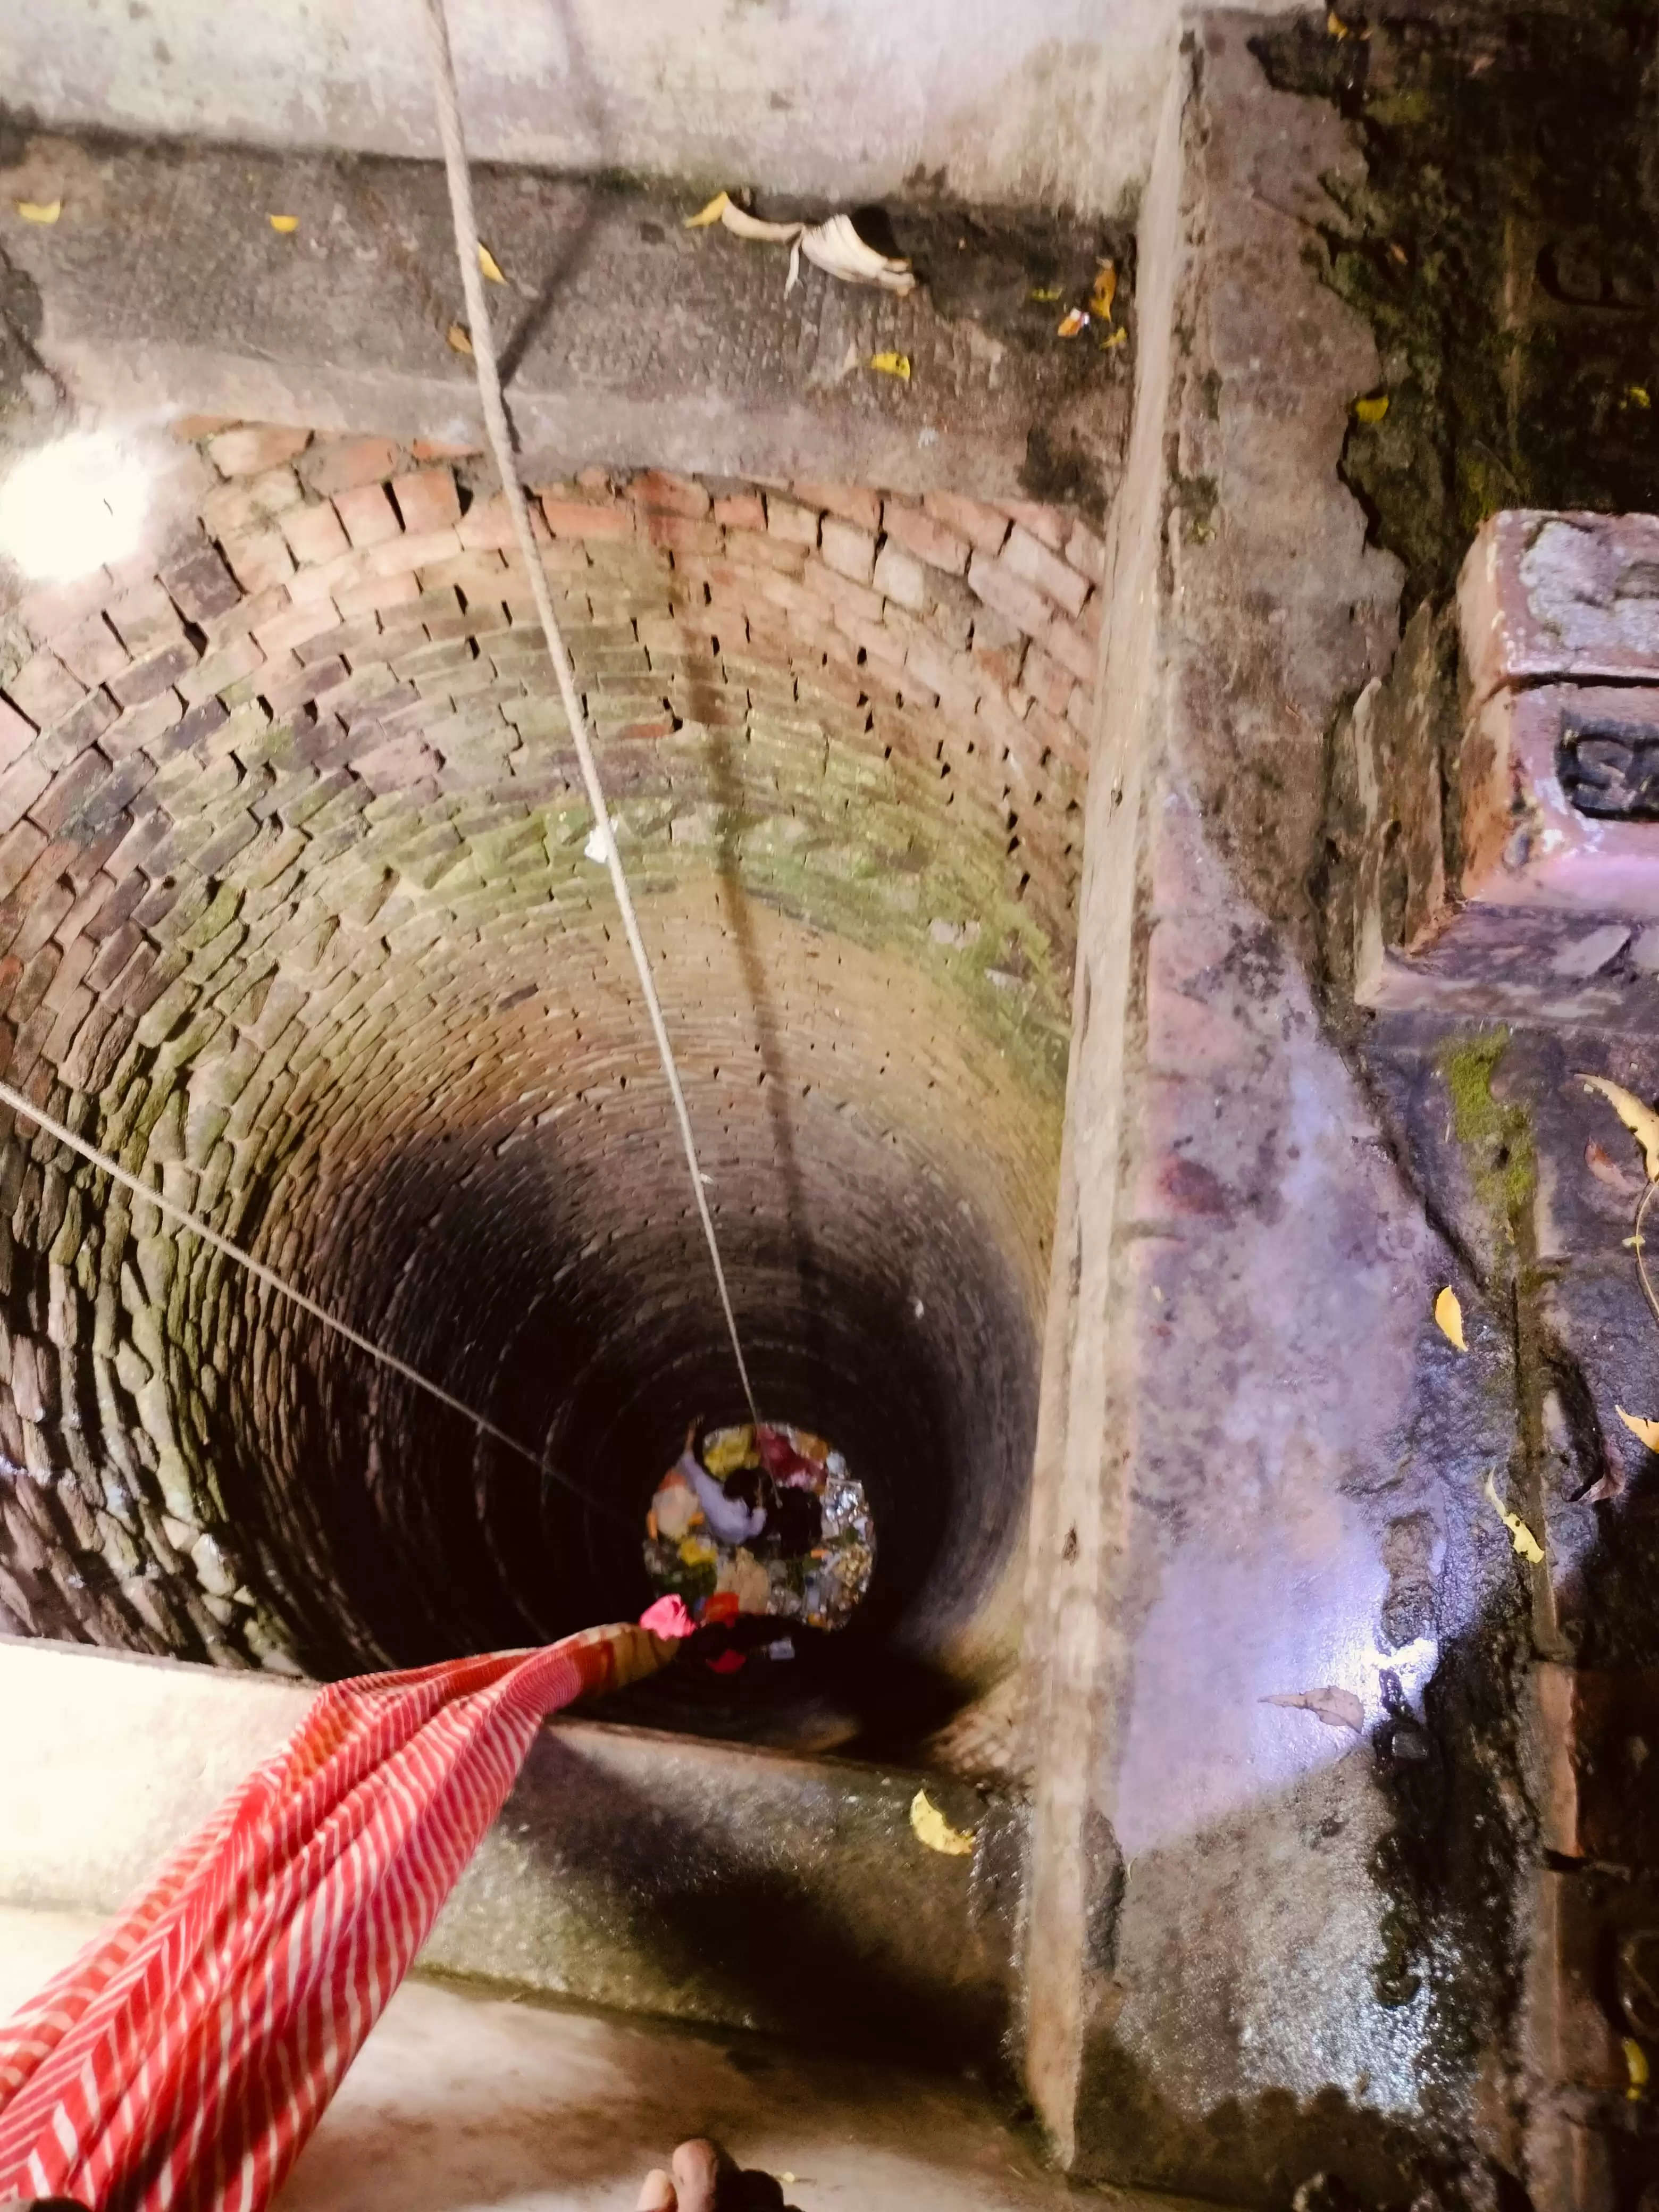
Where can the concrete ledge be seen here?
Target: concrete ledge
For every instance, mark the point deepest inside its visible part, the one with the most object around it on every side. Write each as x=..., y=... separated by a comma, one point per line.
x=744, y=1888
x=627, y=339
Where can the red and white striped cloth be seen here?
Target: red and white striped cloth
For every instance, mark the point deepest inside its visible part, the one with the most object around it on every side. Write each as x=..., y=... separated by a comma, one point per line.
x=181, y=2061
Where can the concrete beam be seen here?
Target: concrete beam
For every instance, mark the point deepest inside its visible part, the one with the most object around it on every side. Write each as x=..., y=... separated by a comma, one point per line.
x=1051, y=101
x=1257, y=1478
x=652, y=1873
x=629, y=340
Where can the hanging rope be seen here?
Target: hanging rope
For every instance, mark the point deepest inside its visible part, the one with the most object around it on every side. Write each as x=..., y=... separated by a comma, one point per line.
x=272, y=1280
x=500, y=443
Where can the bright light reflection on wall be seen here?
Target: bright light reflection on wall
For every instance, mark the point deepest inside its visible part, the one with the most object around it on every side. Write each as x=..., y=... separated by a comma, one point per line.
x=70, y=507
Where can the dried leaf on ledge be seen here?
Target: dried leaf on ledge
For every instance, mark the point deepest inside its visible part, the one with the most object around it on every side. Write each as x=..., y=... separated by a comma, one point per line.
x=1336, y=1708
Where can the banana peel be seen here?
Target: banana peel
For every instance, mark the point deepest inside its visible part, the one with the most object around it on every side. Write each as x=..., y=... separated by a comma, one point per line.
x=834, y=247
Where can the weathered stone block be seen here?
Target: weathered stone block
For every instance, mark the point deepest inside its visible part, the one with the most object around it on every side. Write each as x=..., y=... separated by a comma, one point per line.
x=1503, y=831
x=1567, y=596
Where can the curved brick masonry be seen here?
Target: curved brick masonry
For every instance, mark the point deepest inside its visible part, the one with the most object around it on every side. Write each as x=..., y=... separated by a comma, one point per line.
x=297, y=920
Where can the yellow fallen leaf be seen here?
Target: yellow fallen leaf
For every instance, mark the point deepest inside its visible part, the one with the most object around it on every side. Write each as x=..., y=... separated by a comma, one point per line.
x=1526, y=1544
x=39, y=210
x=1644, y=1431
x=711, y=214
x=283, y=223
x=1371, y=409
x=1448, y=1318
x=1046, y=293
x=488, y=263
x=1071, y=323
x=459, y=338
x=935, y=1831
x=892, y=364
x=1118, y=338
x=1636, y=2067
x=1641, y=1121
x=1105, y=291
x=1640, y=397
x=1336, y=27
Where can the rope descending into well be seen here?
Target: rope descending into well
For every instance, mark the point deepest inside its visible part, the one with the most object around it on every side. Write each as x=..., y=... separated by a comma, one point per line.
x=500, y=443
x=185, y=1219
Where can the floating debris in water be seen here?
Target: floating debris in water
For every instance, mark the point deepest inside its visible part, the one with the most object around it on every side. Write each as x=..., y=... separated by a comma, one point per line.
x=808, y=1551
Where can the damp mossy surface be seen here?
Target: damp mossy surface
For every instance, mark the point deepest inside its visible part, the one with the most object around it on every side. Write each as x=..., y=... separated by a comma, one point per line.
x=1495, y=1134
x=1503, y=245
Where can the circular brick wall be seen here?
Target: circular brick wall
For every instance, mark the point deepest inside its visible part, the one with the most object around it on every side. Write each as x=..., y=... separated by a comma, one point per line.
x=298, y=922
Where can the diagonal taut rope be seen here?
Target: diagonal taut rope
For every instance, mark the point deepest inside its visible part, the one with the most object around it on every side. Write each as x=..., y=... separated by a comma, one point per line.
x=272, y=1280
x=500, y=442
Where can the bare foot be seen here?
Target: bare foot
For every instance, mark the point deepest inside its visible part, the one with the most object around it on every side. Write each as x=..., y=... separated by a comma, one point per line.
x=707, y=2179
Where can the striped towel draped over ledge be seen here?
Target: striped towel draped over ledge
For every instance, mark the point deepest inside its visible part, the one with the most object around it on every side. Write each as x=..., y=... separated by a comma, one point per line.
x=181, y=2061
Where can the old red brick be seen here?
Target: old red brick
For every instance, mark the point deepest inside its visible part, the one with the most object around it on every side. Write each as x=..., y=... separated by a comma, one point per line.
x=1048, y=684
x=744, y=510
x=585, y=520
x=259, y=558
x=313, y=533
x=487, y=525
x=16, y=733
x=899, y=575
x=294, y=626
x=442, y=449
x=1047, y=523
x=81, y=727
x=1086, y=553
x=200, y=585
x=679, y=532
x=1009, y=594
x=50, y=608
x=840, y=592
x=425, y=550
x=43, y=689
x=1029, y=557
x=257, y=447
x=190, y=429
x=847, y=549
x=664, y=493
x=368, y=515
x=1067, y=643
x=338, y=464
x=785, y=519
x=851, y=503
x=91, y=650
x=926, y=538
x=984, y=527
x=427, y=500
x=375, y=593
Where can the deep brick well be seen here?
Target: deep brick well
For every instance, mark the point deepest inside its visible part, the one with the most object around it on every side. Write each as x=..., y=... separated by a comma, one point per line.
x=299, y=923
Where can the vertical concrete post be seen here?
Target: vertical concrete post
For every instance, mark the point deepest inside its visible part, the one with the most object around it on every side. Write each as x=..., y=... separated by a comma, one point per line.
x=1076, y=1655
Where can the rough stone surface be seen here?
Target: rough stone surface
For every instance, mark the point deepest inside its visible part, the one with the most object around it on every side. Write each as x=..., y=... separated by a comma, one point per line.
x=1053, y=103
x=1490, y=844
x=1263, y=1945
x=627, y=340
